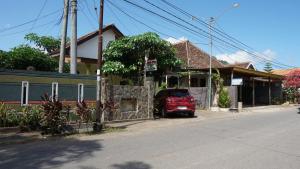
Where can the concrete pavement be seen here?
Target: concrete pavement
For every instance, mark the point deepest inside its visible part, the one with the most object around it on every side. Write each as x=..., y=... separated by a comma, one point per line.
x=266, y=140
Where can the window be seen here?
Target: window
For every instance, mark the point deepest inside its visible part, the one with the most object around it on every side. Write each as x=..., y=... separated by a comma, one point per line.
x=80, y=92
x=54, y=91
x=24, y=94
x=202, y=82
x=194, y=82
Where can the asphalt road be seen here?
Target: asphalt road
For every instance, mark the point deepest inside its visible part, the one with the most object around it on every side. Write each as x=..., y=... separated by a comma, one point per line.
x=265, y=140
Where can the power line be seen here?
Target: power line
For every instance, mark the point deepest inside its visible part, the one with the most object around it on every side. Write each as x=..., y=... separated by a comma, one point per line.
x=38, y=26
x=205, y=32
x=115, y=15
x=89, y=9
x=138, y=20
x=39, y=14
x=28, y=22
x=223, y=34
x=81, y=9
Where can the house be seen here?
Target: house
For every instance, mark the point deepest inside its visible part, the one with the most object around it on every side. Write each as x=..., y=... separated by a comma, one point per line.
x=87, y=49
x=284, y=72
x=245, y=83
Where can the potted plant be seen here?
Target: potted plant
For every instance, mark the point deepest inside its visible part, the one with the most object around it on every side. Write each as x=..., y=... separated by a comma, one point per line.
x=224, y=100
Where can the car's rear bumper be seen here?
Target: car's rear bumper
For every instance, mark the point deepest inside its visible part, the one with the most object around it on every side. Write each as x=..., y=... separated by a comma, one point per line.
x=185, y=108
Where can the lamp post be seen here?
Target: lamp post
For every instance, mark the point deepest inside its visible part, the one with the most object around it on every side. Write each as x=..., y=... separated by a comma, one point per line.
x=210, y=25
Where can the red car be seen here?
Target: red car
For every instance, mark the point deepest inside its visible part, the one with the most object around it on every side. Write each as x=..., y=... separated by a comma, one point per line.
x=173, y=101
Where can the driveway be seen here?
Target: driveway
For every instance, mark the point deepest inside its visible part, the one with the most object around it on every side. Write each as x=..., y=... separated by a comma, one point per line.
x=261, y=140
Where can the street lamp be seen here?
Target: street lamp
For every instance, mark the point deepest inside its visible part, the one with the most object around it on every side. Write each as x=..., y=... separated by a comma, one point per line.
x=211, y=21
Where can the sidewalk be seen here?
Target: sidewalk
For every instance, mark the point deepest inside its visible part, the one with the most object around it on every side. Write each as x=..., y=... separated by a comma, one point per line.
x=144, y=125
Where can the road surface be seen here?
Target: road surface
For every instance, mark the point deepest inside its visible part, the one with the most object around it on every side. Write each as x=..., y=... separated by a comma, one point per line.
x=264, y=140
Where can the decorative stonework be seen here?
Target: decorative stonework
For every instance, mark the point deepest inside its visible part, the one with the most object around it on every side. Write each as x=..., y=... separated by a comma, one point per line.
x=142, y=95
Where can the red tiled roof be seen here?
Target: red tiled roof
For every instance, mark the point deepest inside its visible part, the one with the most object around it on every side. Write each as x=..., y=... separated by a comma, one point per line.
x=197, y=58
x=284, y=72
x=244, y=65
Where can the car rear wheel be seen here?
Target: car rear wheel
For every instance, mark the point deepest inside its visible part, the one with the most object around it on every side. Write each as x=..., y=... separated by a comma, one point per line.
x=163, y=113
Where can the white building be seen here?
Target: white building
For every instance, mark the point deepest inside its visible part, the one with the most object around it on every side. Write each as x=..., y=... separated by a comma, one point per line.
x=87, y=49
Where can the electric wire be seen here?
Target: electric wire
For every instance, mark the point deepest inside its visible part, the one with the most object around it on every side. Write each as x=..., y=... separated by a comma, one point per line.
x=223, y=34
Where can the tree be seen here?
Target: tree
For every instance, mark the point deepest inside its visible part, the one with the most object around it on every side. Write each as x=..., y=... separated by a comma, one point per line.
x=292, y=79
x=268, y=67
x=48, y=44
x=24, y=56
x=291, y=84
x=125, y=56
x=218, y=82
x=4, y=59
x=224, y=62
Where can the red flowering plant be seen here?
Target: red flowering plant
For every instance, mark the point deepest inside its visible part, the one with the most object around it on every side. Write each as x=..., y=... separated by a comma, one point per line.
x=291, y=84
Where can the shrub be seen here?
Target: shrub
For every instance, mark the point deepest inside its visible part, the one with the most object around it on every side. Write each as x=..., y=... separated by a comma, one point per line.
x=27, y=117
x=53, y=121
x=30, y=117
x=224, y=98
x=84, y=113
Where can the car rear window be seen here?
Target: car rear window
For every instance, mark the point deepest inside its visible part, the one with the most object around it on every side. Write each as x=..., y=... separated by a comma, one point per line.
x=179, y=93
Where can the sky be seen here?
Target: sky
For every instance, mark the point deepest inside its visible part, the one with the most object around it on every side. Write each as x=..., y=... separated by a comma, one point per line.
x=270, y=27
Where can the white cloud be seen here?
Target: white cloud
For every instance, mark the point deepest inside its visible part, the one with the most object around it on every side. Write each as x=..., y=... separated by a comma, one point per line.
x=7, y=25
x=242, y=56
x=173, y=40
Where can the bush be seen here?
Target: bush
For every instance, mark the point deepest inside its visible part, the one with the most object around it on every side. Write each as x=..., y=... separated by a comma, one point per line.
x=31, y=117
x=84, y=113
x=224, y=99
x=53, y=121
x=27, y=117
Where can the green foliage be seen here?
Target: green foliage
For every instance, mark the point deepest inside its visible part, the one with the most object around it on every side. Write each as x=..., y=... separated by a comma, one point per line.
x=24, y=56
x=53, y=120
x=125, y=56
x=163, y=86
x=4, y=60
x=268, y=67
x=47, y=43
x=26, y=118
x=224, y=62
x=291, y=93
x=224, y=98
x=31, y=117
x=217, y=79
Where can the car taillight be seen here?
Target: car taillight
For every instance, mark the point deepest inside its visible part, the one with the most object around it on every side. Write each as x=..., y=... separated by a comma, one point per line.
x=169, y=100
x=192, y=100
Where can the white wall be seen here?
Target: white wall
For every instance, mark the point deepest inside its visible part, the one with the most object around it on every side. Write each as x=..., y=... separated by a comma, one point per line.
x=89, y=48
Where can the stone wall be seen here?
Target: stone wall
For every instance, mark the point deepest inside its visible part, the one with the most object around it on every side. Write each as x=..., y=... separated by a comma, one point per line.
x=141, y=98
x=200, y=95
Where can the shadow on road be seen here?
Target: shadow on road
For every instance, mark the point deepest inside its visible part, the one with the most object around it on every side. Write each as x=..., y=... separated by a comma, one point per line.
x=132, y=165
x=50, y=154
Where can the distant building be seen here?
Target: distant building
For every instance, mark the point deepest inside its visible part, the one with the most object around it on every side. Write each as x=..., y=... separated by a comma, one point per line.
x=284, y=72
x=255, y=88
x=87, y=51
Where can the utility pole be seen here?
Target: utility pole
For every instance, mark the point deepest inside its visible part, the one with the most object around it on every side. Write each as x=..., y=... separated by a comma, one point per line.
x=63, y=37
x=73, y=68
x=210, y=71
x=98, y=125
